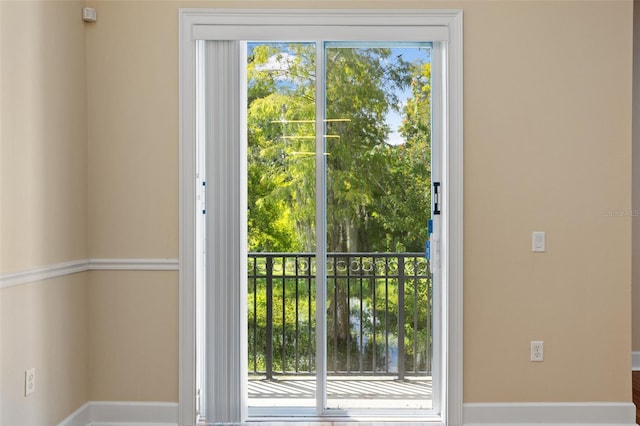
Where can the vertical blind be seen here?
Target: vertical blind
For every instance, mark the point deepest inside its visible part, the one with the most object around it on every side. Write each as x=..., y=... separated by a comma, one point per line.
x=225, y=269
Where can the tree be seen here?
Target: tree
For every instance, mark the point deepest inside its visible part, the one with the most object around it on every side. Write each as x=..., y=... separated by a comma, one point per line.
x=280, y=169
x=404, y=209
x=369, y=186
x=377, y=193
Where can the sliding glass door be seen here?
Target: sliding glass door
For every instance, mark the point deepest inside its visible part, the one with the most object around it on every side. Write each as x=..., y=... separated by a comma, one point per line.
x=282, y=244
x=378, y=203
x=352, y=196
x=318, y=169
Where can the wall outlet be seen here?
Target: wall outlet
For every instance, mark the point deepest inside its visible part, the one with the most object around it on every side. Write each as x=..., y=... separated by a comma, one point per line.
x=29, y=381
x=537, y=350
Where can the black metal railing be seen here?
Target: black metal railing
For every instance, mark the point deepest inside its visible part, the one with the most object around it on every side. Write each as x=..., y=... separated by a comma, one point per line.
x=379, y=314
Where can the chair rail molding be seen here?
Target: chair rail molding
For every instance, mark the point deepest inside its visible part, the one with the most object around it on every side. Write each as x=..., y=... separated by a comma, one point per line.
x=82, y=265
x=133, y=264
x=43, y=273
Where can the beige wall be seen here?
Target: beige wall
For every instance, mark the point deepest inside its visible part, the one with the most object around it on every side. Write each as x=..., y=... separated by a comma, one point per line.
x=44, y=133
x=547, y=107
x=134, y=335
x=547, y=147
x=133, y=131
x=44, y=326
x=636, y=176
x=43, y=208
x=133, y=199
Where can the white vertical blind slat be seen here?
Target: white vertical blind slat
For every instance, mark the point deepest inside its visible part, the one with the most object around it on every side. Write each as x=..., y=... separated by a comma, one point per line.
x=224, y=364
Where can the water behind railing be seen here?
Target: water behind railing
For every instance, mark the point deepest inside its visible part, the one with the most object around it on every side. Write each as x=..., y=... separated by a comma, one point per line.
x=379, y=314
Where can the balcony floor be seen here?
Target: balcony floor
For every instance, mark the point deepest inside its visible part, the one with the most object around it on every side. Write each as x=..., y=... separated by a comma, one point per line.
x=342, y=392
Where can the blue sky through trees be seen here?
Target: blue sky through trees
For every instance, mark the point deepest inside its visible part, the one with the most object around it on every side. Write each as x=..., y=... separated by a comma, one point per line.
x=416, y=53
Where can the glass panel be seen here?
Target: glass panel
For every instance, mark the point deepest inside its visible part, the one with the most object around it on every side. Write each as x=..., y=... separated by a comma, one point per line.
x=379, y=333
x=281, y=224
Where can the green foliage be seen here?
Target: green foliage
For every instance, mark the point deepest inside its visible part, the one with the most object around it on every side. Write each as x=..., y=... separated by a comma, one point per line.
x=293, y=326
x=377, y=194
x=280, y=167
x=378, y=197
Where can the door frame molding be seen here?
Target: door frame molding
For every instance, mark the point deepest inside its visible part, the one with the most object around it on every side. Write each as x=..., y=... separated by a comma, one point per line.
x=192, y=21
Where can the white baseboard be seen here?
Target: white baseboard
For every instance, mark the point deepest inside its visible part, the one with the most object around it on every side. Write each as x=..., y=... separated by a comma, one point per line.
x=101, y=413
x=105, y=413
x=80, y=417
x=565, y=414
x=635, y=361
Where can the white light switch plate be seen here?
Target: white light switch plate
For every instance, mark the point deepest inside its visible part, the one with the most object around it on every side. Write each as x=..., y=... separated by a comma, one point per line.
x=538, y=242
x=89, y=14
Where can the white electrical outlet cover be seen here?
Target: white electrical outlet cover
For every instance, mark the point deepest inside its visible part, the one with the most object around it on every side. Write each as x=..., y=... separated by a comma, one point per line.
x=29, y=381
x=537, y=351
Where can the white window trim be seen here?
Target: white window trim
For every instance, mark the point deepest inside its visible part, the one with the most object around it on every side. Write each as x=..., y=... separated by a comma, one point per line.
x=193, y=22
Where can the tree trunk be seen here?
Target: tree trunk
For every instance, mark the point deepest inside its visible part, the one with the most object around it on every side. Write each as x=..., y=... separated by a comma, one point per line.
x=339, y=327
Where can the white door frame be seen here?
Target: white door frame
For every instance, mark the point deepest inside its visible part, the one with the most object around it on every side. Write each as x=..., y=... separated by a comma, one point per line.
x=193, y=24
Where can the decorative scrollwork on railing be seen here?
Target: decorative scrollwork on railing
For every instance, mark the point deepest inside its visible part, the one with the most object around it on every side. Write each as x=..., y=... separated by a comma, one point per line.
x=416, y=266
x=368, y=265
x=330, y=265
x=341, y=264
x=303, y=265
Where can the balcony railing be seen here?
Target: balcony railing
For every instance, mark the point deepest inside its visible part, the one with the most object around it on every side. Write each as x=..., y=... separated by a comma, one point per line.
x=379, y=314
